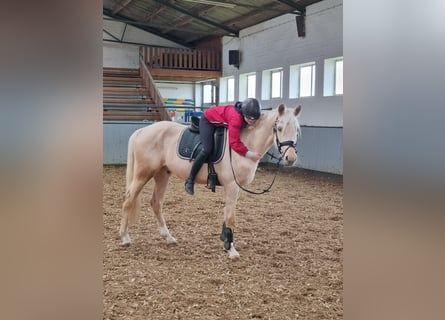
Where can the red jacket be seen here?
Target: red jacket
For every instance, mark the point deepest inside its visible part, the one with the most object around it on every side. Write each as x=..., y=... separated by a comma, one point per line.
x=230, y=118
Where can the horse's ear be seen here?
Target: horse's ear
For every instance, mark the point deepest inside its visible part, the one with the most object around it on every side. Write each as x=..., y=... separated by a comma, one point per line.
x=281, y=109
x=297, y=110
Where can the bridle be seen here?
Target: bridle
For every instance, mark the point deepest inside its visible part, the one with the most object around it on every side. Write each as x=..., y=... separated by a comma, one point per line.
x=280, y=145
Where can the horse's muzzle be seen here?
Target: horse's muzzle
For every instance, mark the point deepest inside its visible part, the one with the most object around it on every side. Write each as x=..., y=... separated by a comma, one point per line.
x=290, y=157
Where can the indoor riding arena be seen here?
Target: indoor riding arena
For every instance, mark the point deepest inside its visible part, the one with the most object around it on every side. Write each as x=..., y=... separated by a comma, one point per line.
x=290, y=243
x=172, y=61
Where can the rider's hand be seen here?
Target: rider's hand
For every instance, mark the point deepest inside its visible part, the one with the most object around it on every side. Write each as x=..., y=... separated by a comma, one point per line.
x=254, y=156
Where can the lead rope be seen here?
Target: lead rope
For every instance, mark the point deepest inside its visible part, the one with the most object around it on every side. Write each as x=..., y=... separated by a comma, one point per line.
x=249, y=191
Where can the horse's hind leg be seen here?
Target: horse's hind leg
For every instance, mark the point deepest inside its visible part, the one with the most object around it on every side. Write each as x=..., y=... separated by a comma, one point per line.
x=131, y=207
x=157, y=200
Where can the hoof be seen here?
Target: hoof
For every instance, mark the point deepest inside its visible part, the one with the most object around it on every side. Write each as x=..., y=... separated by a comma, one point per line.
x=125, y=244
x=126, y=241
x=233, y=254
x=234, y=258
x=171, y=241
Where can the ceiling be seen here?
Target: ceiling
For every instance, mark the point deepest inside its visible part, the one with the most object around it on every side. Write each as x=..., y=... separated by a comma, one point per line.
x=193, y=22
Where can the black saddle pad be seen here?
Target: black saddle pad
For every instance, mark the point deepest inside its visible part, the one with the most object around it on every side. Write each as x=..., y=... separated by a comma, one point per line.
x=189, y=144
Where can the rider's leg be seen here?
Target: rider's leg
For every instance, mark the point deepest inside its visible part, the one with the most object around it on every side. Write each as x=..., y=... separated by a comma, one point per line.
x=197, y=164
x=206, y=131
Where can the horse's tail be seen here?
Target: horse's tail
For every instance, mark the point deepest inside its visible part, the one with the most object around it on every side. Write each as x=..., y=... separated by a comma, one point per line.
x=130, y=161
x=135, y=209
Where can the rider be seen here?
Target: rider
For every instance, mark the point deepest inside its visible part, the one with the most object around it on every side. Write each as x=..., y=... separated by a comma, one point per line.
x=234, y=117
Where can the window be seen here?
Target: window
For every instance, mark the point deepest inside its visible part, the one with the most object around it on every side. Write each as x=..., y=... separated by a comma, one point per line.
x=302, y=80
x=272, y=84
x=231, y=89
x=227, y=89
x=247, y=86
x=208, y=93
x=333, y=77
x=251, y=84
x=307, y=81
x=276, y=83
x=338, y=83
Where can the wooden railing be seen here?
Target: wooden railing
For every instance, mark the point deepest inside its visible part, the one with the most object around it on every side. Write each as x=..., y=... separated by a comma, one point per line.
x=152, y=89
x=174, y=58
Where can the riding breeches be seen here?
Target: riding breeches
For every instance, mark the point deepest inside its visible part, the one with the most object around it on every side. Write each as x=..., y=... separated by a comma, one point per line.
x=206, y=132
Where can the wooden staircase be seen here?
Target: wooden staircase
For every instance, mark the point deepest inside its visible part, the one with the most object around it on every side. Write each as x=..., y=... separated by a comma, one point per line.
x=129, y=95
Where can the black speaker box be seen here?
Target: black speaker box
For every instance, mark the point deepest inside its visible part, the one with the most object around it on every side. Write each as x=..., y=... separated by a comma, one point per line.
x=301, y=28
x=234, y=57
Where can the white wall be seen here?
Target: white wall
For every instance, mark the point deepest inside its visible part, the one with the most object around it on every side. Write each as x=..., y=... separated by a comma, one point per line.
x=275, y=43
x=123, y=55
x=176, y=90
x=120, y=55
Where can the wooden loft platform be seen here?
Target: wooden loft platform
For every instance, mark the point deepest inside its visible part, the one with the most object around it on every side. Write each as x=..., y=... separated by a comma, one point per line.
x=175, y=64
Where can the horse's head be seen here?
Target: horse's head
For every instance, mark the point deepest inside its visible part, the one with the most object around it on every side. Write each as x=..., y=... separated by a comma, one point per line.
x=287, y=131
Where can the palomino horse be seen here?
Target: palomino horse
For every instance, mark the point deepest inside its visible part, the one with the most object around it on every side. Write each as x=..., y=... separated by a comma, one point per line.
x=152, y=154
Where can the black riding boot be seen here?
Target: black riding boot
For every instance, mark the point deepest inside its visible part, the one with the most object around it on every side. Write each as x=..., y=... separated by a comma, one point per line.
x=197, y=164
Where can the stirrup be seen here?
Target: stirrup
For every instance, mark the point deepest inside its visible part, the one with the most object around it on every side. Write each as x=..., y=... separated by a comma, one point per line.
x=211, y=181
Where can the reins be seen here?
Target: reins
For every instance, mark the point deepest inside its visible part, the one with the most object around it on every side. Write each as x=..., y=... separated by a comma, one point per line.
x=249, y=191
x=280, y=144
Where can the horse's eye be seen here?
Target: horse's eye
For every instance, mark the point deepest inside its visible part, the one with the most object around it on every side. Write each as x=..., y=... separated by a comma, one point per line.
x=280, y=129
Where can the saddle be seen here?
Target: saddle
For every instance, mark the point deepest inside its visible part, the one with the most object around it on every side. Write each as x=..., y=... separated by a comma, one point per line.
x=189, y=145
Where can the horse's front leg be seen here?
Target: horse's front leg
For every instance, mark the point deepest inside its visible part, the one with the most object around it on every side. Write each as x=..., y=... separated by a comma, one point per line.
x=232, y=192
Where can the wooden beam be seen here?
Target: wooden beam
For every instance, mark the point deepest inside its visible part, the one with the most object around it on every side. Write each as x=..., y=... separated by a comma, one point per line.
x=153, y=115
x=142, y=26
x=197, y=17
x=180, y=74
x=119, y=6
x=301, y=9
x=154, y=13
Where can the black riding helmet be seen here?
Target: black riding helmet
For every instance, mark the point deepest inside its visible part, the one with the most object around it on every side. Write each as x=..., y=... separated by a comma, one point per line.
x=251, y=109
